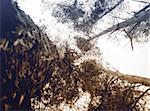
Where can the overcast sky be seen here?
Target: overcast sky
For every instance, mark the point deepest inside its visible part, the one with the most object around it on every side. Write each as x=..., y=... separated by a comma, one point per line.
x=118, y=54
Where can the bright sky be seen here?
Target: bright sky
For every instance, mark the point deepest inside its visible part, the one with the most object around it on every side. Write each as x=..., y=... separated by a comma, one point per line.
x=118, y=54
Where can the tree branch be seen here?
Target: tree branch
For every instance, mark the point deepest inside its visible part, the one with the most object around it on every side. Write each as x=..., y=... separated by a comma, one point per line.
x=141, y=16
x=139, y=98
x=130, y=78
x=131, y=39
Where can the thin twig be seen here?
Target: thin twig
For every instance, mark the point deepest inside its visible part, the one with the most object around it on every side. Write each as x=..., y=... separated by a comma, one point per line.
x=140, y=98
x=131, y=41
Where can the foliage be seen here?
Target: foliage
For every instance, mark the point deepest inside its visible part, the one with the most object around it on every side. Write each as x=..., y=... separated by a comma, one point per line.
x=31, y=72
x=83, y=20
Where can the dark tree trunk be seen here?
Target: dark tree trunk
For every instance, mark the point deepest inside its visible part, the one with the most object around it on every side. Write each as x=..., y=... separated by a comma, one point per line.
x=21, y=43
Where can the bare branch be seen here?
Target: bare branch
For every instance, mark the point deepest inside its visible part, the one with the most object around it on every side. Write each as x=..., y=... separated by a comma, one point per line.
x=140, y=98
x=142, y=16
x=130, y=78
x=140, y=1
x=131, y=39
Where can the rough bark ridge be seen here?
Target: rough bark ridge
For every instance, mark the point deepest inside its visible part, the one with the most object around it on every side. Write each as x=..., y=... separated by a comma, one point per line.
x=22, y=46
